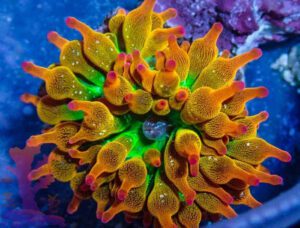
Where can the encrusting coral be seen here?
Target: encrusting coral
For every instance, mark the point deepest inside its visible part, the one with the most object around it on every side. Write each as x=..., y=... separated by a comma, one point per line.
x=150, y=127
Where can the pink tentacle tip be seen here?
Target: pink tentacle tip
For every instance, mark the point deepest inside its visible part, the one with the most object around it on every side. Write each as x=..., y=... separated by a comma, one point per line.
x=264, y=114
x=71, y=141
x=121, y=11
x=181, y=95
x=71, y=21
x=71, y=210
x=181, y=30
x=279, y=180
x=93, y=187
x=72, y=105
x=218, y=26
x=136, y=54
x=99, y=214
x=72, y=152
x=254, y=181
x=122, y=195
x=257, y=52
x=157, y=163
x=26, y=66
x=23, y=98
x=30, y=176
x=122, y=56
x=171, y=64
x=287, y=157
x=243, y=128
x=222, y=151
x=81, y=162
x=173, y=11
x=238, y=85
x=159, y=54
x=52, y=35
x=128, y=97
x=263, y=92
x=31, y=142
x=89, y=179
x=190, y=199
x=141, y=67
x=161, y=105
x=193, y=159
x=106, y=217
x=194, y=173
x=129, y=58
x=229, y=200
x=172, y=38
x=127, y=66
x=111, y=77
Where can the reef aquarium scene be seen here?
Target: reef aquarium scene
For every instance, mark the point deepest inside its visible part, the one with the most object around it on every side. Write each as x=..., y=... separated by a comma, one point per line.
x=152, y=113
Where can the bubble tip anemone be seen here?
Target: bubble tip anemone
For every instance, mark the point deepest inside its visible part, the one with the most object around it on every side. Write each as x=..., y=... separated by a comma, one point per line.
x=163, y=127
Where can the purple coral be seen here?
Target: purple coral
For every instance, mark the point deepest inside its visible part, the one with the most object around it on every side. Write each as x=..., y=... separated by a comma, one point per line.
x=284, y=14
x=23, y=159
x=247, y=23
x=29, y=214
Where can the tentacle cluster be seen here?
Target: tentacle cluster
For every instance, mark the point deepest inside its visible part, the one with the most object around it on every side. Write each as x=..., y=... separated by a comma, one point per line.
x=159, y=128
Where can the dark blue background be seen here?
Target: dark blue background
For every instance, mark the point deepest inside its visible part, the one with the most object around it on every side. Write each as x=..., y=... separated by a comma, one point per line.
x=23, y=28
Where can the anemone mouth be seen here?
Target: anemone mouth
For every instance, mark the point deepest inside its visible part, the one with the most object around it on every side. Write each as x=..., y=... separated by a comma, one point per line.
x=151, y=124
x=155, y=128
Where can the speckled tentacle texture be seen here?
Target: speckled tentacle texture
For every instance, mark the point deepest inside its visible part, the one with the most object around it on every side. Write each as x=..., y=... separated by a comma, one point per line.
x=149, y=126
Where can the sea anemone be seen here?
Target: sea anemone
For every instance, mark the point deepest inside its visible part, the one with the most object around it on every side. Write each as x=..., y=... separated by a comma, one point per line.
x=150, y=126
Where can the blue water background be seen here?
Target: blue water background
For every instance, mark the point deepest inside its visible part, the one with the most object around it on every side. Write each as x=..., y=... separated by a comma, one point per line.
x=23, y=28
